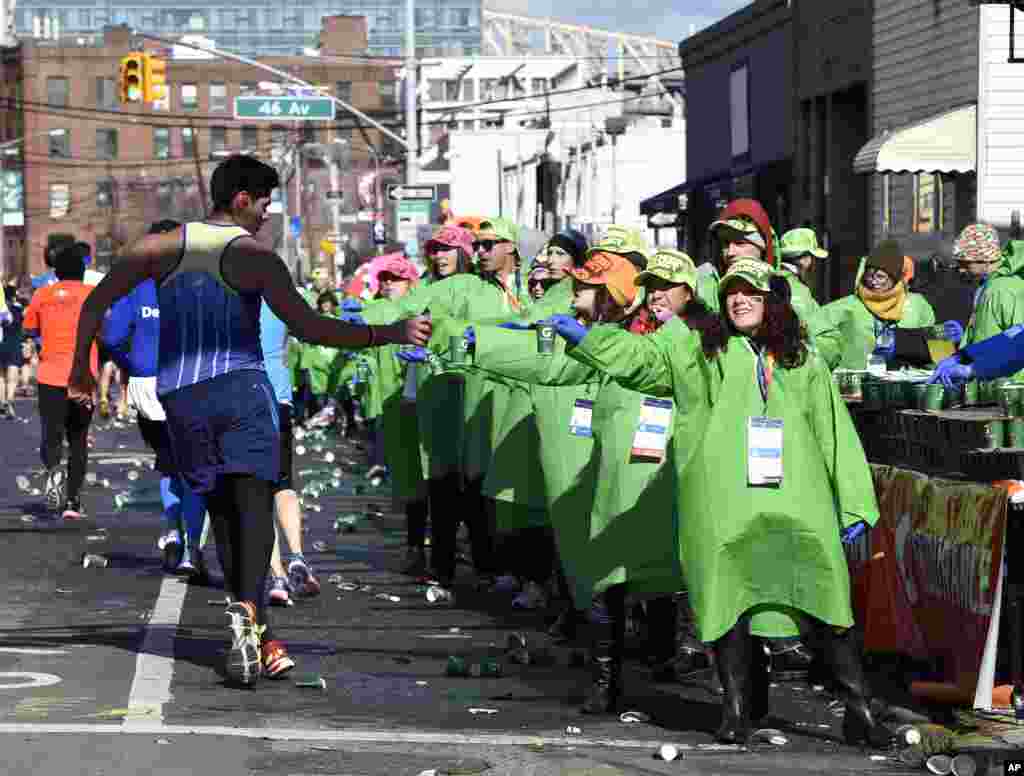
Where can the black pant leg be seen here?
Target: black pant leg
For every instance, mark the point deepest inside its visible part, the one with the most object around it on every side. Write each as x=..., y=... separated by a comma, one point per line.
x=53, y=408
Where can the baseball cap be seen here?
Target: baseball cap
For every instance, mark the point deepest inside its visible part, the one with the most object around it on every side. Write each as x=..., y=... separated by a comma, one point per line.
x=451, y=237
x=738, y=228
x=797, y=242
x=756, y=273
x=671, y=266
x=498, y=229
x=977, y=242
x=611, y=270
x=623, y=241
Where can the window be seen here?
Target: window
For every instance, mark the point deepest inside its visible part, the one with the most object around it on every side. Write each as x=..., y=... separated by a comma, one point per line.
x=162, y=143
x=60, y=200
x=188, y=141
x=927, y=203
x=388, y=91
x=468, y=90
x=739, y=111
x=250, y=139
x=278, y=136
x=218, y=97
x=451, y=91
x=248, y=87
x=105, y=193
x=104, y=251
x=218, y=140
x=106, y=143
x=343, y=90
x=539, y=85
x=106, y=93
x=57, y=91
x=60, y=144
x=84, y=19
x=435, y=89
x=307, y=134
x=189, y=96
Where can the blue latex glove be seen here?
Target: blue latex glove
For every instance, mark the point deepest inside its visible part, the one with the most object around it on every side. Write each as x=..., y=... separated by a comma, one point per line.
x=950, y=372
x=953, y=331
x=514, y=325
x=351, y=306
x=568, y=327
x=352, y=318
x=414, y=356
x=851, y=534
x=470, y=335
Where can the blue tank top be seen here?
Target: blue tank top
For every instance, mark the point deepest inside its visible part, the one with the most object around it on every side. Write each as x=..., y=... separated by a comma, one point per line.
x=207, y=328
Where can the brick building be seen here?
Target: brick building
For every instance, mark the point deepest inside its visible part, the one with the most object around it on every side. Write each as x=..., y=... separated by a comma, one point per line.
x=103, y=171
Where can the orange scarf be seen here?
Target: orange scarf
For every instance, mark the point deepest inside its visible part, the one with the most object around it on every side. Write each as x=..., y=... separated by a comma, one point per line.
x=885, y=305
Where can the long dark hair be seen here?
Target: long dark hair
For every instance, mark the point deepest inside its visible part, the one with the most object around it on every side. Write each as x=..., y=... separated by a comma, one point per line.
x=781, y=333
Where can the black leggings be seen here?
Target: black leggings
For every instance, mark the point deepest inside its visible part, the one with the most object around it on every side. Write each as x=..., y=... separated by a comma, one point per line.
x=416, y=523
x=242, y=510
x=59, y=417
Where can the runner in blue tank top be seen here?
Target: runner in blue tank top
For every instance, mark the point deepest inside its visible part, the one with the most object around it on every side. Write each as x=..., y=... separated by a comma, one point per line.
x=221, y=411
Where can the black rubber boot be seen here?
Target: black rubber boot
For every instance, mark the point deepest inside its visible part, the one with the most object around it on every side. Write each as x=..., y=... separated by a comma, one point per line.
x=842, y=654
x=760, y=682
x=606, y=686
x=606, y=683
x=733, y=658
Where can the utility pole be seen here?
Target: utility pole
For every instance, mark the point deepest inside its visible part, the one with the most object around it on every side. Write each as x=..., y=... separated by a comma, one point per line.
x=412, y=159
x=299, y=200
x=200, y=182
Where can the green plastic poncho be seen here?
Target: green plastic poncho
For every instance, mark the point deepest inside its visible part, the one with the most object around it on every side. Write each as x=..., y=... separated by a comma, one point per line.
x=999, y=304
x=613, y=517
x=860, y=328
x=775, y=551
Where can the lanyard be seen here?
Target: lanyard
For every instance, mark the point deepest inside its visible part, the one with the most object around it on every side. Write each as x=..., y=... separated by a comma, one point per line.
x=764, y=369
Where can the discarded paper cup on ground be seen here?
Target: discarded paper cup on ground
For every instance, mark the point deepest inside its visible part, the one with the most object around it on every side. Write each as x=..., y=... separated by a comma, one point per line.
x=98, y=561
x=438, y=595
x=964, y=765
x=634, y=716
x=668, y=752
x=939, y=764
x=312, y=681
x=456, y=666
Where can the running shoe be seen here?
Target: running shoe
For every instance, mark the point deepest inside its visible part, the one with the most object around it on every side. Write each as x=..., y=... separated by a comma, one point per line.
x=55, y=481
x=173, y=552
x=532, y=597
x=191, y=563
x=165, y=539
x=73, y=509
x=277, y=593
x=10, y=411
x=244, y=661
x=301, y=579
x=276, y=662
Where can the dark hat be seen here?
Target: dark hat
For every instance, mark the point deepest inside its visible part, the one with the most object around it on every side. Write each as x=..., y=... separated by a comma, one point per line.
x=573, y=243
x=888, y=256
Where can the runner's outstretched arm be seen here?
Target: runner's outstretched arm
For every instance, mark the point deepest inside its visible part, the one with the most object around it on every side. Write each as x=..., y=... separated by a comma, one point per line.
x=250, y=267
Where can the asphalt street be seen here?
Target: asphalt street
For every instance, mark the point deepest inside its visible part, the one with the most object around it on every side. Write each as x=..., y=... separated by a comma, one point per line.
x=116, y=670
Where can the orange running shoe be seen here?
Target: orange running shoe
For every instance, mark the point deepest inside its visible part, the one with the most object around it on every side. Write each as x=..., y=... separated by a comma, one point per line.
x=276, y=662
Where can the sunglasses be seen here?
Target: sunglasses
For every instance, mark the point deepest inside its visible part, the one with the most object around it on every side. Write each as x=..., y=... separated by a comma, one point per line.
x=486, y=245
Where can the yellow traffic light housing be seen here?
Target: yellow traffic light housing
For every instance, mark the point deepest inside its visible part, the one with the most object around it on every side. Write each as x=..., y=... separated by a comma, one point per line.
x=131, y=77
x=154, y=81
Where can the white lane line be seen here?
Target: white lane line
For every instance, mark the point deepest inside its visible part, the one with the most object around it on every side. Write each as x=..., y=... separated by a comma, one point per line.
x=23, y=680
x=360, y=736
x=32, y=651
x=154, y=666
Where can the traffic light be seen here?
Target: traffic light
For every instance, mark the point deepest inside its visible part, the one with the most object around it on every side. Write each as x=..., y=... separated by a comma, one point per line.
x=154, y=82
x=130, y=77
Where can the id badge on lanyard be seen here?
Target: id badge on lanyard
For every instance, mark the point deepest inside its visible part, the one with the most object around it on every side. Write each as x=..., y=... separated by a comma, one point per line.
x=764, y=450
x=651, y=437
x=582, y=415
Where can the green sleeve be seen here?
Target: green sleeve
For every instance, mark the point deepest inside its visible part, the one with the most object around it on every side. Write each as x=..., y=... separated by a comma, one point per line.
x=841, y=448
x=443, y=295
x=640, y=363
x=707, y=288
x=824, y=335
x=923, y=313
x=513, y=354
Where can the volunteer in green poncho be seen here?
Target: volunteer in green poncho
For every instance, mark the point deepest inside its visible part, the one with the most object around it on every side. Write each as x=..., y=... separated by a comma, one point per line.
x=881, y=303
x=498, y=292
x=743, y=230
x=396, y=435
x=999, y=302
x=321, y=362
x=609, y=491
x=798, y=250
x=761, y=545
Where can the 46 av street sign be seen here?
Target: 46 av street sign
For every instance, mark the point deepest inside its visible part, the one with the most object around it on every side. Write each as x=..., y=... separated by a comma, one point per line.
x=278, y=108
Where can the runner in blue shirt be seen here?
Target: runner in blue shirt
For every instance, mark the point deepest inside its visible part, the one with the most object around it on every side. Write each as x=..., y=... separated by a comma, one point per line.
x=134, y=321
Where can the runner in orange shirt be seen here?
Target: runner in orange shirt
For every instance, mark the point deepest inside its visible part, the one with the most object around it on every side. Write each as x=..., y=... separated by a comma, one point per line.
x=53, y=314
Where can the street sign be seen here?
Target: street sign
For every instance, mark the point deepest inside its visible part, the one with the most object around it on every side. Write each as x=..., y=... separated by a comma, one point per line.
x=333, y=195
x=278, y=108
x=399, y=192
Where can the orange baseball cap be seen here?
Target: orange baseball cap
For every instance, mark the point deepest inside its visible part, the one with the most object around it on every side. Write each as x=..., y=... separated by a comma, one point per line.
x=611, y=270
